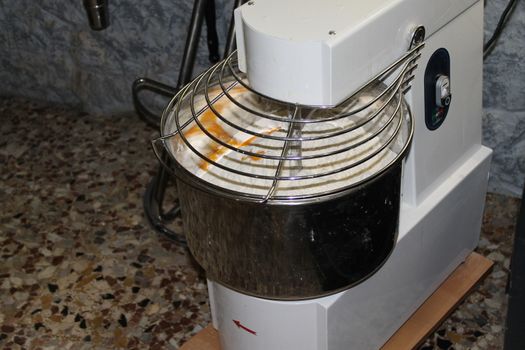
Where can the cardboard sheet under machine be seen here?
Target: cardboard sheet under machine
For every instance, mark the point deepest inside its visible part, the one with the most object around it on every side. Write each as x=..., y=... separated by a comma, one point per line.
x=317, y=54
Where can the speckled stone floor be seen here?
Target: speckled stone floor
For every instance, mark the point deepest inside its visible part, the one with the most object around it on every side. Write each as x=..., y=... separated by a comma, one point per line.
x=81, y=269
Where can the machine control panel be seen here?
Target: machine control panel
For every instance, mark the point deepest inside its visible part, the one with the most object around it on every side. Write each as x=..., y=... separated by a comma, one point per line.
x=438, y=92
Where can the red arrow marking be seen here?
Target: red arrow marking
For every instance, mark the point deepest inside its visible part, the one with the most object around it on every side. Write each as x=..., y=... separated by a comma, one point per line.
x=238, y=324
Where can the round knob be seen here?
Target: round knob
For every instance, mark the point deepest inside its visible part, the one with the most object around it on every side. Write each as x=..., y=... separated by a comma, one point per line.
x=443, y=94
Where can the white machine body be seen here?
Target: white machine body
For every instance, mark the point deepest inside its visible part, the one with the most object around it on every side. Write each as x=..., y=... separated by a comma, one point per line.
x=444, y=180
x=317, y=53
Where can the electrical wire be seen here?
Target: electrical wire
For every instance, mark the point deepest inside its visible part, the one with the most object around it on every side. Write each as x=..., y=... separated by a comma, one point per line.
x=154, y=194
x=491, y=43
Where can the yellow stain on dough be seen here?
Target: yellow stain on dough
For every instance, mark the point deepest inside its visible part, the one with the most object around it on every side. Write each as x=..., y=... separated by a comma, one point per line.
x=210, y=122
x=260, y=152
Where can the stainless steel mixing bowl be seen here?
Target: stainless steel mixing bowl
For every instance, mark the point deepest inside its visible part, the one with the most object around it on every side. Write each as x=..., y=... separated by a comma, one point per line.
x=287, y=247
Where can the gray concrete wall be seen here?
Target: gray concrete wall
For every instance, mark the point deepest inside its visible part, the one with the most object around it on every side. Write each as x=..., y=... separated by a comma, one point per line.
x=48, y=52
x=504, y=100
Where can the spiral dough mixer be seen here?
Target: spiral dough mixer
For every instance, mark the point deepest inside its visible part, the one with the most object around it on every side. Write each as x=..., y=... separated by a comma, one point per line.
x=330, y=171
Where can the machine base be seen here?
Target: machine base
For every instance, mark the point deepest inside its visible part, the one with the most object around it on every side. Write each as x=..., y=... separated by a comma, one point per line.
x=424, y=321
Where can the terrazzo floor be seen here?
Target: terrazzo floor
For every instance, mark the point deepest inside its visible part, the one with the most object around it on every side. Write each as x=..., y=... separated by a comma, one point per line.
x=81, y=269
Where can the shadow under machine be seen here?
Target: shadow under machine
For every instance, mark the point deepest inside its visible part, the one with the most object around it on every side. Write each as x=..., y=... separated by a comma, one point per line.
x=330, y=172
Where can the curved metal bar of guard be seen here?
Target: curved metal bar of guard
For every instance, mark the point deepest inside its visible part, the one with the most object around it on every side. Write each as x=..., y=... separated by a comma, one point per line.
x=210, y=103
x=399, y=88
x=154, y=195
x=395, y=87
x=402, y=107
x=281, y=158
x=289, y=138
x=404, y=85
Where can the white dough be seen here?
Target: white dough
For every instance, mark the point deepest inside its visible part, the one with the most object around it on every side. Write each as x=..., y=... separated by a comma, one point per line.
x=268, y=147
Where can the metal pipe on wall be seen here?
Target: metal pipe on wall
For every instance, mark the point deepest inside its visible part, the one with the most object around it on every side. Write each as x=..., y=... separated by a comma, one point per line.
x=98, y=13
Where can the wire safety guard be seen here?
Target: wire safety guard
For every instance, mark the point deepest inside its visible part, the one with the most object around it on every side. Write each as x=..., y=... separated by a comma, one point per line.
x=277, y=149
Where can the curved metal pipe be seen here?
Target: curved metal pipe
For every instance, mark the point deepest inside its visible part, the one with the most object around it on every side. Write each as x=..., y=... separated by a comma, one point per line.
x=98, y=13
x=145, y=84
